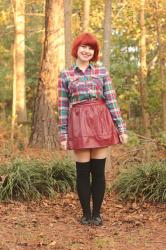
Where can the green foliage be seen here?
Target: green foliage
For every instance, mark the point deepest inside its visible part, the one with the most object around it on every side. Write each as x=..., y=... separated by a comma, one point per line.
x=133, y=139
x=64, y=175
x=125, y=53
x=32, y=179
x=142, y=182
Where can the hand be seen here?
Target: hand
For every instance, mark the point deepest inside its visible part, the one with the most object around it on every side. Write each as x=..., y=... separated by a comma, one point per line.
x=123, y=138
x=63, y=145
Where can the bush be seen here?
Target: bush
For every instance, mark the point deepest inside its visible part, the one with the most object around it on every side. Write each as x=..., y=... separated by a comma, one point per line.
x=30, y=180
x=145, y=182
x=63, y=174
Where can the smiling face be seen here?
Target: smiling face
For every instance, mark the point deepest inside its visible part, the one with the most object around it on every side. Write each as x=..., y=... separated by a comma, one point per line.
x=85, y=53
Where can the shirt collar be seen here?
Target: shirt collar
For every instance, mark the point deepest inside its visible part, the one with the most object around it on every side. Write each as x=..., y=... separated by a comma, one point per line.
x=75, y=67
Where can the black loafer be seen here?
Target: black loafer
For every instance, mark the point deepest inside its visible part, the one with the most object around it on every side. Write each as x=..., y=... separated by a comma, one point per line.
x=85, y=220
x=97, y=221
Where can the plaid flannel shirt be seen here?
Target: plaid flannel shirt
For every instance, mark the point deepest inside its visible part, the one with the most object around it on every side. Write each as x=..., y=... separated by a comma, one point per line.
x=75, y=86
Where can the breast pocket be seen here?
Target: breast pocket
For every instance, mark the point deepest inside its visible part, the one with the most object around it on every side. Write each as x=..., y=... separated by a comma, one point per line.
x=76, y=87
x=95, y=84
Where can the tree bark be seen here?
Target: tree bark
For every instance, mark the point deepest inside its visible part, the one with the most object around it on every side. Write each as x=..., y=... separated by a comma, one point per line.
x=68, y=33
x=143, y=88
x=161, y=65
x=107, y=33
x=19, y=112
x=86, y=10
x=106, y=54
x=143, y=82
x=44, y=127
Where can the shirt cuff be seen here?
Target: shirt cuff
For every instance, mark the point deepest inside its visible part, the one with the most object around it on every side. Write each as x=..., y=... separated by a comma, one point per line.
x=63, y=137
x=122, y=131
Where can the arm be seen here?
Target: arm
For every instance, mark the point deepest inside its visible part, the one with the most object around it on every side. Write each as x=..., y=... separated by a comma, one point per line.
x=111, y=102
x=63, y=108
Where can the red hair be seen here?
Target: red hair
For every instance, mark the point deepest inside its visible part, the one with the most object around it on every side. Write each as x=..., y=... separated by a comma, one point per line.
x=86, y=39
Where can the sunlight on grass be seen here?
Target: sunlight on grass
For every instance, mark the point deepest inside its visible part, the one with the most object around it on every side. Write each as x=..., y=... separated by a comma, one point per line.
x=32, y=179
x=145, y=182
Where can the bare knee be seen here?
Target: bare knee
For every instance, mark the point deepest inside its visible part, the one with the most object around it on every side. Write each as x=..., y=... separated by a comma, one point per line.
x=82, y=155
x=99, y=153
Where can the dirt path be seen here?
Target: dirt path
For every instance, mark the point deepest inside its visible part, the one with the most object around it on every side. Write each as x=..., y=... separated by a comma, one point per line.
x=54, y=225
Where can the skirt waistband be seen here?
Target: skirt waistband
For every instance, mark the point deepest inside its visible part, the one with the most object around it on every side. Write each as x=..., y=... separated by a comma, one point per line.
x=88, y=102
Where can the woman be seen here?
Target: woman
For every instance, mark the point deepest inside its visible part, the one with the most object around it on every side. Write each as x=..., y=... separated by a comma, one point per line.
x=89, y=122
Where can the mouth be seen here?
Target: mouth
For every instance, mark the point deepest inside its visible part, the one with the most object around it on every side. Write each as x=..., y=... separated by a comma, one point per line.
x=85, y=55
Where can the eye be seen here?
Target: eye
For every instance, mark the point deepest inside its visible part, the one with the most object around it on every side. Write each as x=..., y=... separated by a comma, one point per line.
x=83, y=46
x=90, y=48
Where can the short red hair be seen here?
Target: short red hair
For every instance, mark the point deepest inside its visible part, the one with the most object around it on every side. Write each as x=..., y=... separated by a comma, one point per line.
x=86, y=39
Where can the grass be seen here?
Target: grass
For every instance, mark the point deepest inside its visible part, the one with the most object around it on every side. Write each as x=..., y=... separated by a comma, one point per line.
x=142, y=182
x=32, y=179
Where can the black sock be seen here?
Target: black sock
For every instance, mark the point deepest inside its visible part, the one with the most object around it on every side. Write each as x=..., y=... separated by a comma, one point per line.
x=83, y=186
x=98, y=184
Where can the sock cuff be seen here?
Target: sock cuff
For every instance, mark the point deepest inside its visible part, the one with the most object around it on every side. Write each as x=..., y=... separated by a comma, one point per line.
x=82, y=164
x=98, y=160
x=79, y=162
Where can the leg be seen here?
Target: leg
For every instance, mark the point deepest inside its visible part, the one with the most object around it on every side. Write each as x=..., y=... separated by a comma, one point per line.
x=82, y=155
x=99, y=153
x=83, y=183
x=98, y=158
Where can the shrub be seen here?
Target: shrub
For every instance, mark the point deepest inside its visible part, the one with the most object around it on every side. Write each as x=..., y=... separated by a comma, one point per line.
x=63, y=174
x=145, y=182
x=32, y=179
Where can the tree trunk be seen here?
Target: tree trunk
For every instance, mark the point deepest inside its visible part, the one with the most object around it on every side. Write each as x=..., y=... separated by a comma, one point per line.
x=143, y=82
x=44, y=127
x=161, y=65
x=106, y=56
x=107, y=33
x=19, y=113
x=86, y=15
x=143, y=89
x=14, y=97
x=68, y=33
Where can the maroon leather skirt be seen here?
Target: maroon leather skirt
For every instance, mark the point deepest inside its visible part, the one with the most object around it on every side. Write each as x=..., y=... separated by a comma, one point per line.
x=90, y=125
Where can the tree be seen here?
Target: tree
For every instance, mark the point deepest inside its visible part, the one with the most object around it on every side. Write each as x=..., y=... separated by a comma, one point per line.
x=143, y=73
x=161, y=64
x=107, y=33
x=86, y=9
x=44, y=127
x=68, y=34
x=19, y=113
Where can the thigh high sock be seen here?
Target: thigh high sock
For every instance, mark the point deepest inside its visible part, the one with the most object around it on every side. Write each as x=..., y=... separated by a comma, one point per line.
x=98, y=184
x=83, y=186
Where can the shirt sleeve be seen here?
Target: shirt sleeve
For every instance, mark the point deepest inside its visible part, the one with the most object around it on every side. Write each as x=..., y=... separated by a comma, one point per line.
x=63, y=108
x=112, y=104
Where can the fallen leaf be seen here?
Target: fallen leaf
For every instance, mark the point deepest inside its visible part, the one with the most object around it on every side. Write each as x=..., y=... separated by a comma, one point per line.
x=53, y=243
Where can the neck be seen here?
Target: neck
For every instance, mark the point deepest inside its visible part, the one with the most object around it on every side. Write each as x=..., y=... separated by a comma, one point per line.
x=82, y=65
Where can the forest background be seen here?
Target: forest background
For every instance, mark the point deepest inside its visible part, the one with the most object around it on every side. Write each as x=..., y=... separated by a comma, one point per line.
x=35, y=40
x=132, y=39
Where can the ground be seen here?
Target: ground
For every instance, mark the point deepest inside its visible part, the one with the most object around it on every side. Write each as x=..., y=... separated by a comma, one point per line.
x=54, y=224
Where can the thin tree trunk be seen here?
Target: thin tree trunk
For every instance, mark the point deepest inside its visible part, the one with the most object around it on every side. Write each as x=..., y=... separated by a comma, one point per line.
x=44, y=127
x=143, y=88
x=19, y=112
x=161, y=65
x=106, y=57
x=86, y=15
x=67, y=29
x=107, y=33
x=19, y=53
x=143, y=82
x=14, y=97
